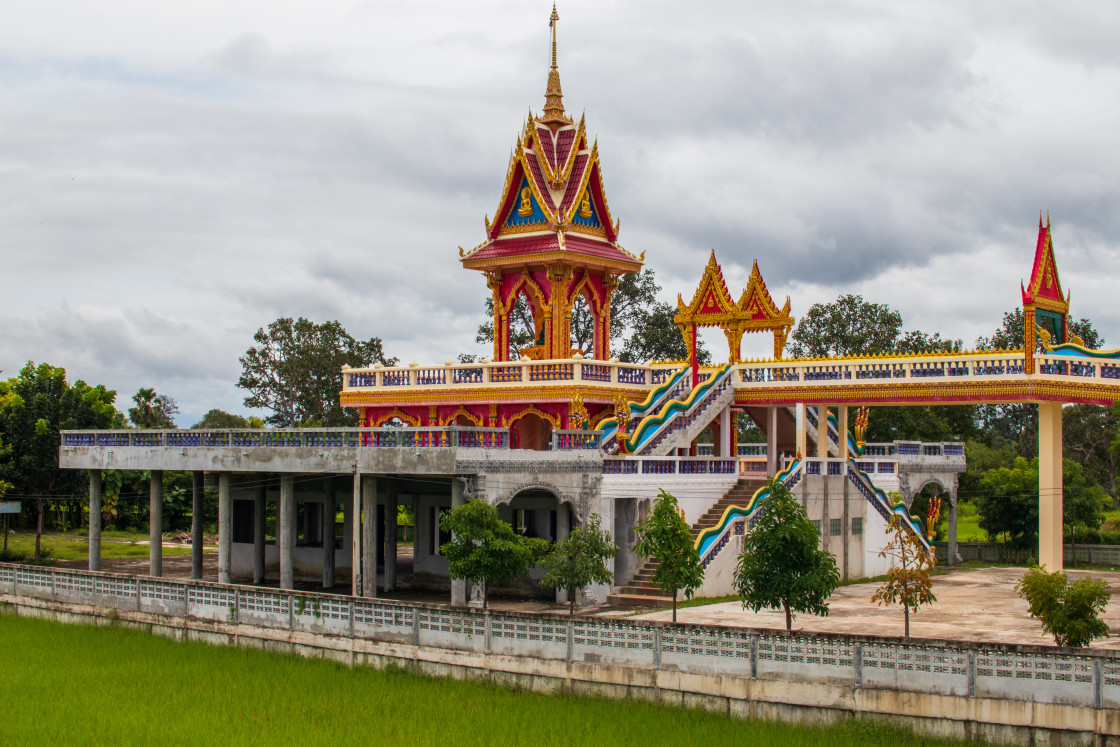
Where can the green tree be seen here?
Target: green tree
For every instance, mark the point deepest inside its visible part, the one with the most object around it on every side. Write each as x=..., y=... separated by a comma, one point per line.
x=666, y=538
x=654, y=336
x=483, y=548
x=1088, y=432
x=908, y=581
x=36, y=405
x=579, y=560
x=295, y=371
x=216, y=419
x=1008, y=504
x=848, y=326
x=781, y=565
x=153, y=410
x=1068, y=611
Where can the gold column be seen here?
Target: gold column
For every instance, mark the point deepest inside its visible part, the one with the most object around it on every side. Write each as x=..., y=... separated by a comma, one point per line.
x=842, y=430
x=822, y=431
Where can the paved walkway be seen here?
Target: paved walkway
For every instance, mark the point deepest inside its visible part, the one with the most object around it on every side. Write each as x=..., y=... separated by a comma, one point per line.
x=972, y=605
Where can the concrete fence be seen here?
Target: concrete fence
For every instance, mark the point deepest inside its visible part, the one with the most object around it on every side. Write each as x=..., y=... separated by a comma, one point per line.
x=994, y=552
x=953, y=688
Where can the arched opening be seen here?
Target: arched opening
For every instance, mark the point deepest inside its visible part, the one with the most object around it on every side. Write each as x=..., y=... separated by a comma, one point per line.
x=531, y=431
x=464, y=421
x=583, y=327
x=920, y=505
x=537, y=513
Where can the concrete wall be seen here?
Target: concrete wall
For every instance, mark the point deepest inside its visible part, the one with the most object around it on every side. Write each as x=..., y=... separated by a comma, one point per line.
x=1015, y=694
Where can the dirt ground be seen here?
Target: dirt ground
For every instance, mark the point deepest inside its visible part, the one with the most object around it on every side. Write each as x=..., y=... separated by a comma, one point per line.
x=972, y=605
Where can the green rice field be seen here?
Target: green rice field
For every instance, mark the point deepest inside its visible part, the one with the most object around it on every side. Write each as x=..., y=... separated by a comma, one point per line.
x=74, y=684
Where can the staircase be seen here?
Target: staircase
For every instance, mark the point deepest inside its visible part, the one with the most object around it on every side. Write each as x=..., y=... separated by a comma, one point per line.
x=641, y=591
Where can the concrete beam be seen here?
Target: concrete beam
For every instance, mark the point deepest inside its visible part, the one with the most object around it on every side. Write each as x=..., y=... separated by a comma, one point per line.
x=155, y=524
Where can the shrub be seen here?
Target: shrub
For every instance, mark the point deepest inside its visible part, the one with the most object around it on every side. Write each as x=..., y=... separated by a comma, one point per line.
x=1068, y=611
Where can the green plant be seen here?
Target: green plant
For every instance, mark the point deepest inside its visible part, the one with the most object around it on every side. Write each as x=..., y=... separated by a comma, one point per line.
x=580, y=559
x=665, y=537
x=781, y=565
x=301, y=606
x=908, y=581
x=1068, y=611
x=483, y=548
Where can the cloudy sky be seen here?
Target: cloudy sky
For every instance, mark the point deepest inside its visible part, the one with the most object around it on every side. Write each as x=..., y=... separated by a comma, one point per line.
x=174, y=176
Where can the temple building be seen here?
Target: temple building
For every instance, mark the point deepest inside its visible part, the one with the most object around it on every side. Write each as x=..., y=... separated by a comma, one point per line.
x=552, y=434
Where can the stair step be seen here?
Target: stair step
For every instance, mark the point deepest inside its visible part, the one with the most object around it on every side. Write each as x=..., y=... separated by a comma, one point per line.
x=639, y=600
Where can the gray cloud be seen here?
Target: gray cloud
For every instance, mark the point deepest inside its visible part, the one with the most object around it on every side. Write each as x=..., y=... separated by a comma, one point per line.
x=185, y=177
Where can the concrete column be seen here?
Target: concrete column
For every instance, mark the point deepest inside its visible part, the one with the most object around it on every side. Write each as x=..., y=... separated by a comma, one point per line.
x=328, y=533
x=842, y=430
x=952, y=538
x=458, y=585
x=198, y=514
x=94, y=520
x=260, y=506
x=802, y=441
x=391, y=503
x=369, y=537
x=1050, y=485
x=772, y=464
x=822, y=432
x=155, y=525
x=356, y=538
x=225, y=528
x=287, y=538
x=563, y=528
x=725, y=433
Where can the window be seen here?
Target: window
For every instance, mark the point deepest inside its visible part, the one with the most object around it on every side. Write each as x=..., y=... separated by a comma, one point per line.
x=817, y=524
x=835, y=527
x=857, y=526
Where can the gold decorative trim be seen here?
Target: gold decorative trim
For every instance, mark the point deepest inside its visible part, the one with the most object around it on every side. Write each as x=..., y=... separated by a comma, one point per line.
x=397, y=412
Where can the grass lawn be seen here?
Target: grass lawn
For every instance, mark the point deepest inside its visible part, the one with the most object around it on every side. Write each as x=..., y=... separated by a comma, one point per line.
x=86, y=685
x=76, y=548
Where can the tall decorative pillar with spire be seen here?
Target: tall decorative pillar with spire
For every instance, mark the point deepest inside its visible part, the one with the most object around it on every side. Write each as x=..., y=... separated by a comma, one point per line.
x=552, y=241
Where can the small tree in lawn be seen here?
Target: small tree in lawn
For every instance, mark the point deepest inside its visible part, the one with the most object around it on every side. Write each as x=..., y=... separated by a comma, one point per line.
x=1069, y=612
x=782, y=565
x=908, y=581
x=580, y=560
x=483, y=548
x=665, y=537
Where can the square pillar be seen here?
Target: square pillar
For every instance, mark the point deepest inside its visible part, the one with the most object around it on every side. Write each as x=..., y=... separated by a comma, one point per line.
x=1050, y=485
x=155, y=524
x=369, y=537
x=563, y=529
x=391, y=508
x=328, y=532
x=802, y=441
x=356, y=538
x=259, y=508
x=225, y=528
x=458, y=585
x=725, y=433
x=197, y=515
x=287, y=534
x=94, y=520
x=842, y=430
x=772, y=464
x=822, y=431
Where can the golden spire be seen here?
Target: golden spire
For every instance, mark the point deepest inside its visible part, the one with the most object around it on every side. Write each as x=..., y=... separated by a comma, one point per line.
x=553, y=96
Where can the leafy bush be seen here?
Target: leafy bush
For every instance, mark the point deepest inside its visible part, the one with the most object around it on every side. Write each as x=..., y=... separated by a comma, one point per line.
x=1068, y=611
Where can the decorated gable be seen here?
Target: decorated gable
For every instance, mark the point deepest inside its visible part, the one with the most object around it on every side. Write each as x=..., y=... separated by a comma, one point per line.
x=525, y=211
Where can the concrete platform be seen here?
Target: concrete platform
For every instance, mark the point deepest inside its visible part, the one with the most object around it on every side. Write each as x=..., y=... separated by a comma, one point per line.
x=972, y=605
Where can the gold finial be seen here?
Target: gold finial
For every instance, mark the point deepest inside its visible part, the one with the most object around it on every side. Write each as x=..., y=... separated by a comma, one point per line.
x=1047, y=218
x=553, y=95
x=1040, y=219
